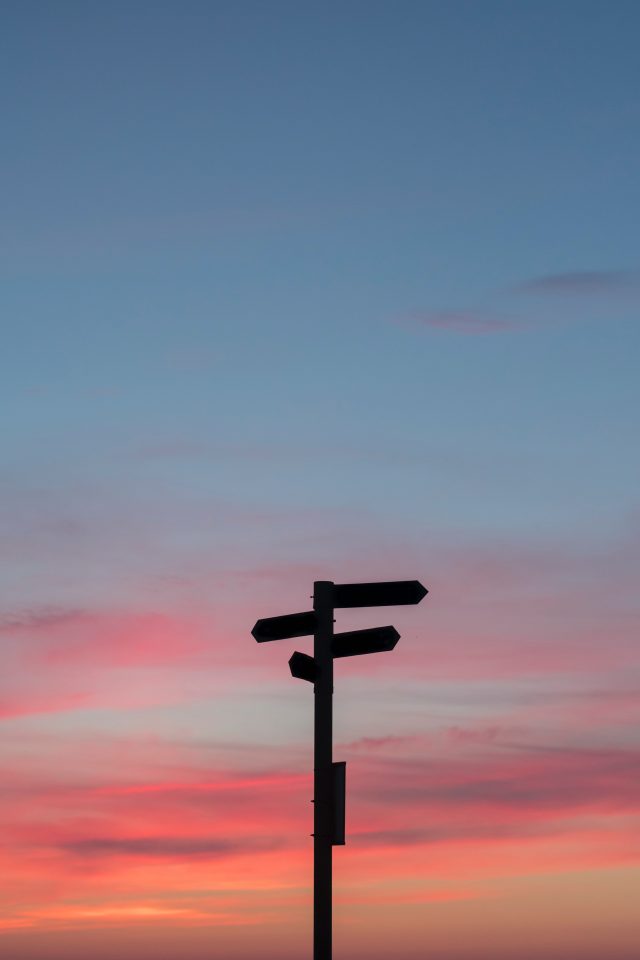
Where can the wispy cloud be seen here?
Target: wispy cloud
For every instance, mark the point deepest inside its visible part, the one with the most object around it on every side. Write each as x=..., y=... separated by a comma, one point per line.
x=163, y=846
x=40, y=620
x=529, y=783
x=513, y=805
x=508, y=310
x=100, y=637
x=27, y=705
x=582, y=283
x=58, y=660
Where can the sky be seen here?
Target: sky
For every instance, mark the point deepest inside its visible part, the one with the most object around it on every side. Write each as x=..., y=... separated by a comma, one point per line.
x=296, y=291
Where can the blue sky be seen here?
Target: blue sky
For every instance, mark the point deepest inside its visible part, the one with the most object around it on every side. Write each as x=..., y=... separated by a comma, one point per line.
x=221, y=224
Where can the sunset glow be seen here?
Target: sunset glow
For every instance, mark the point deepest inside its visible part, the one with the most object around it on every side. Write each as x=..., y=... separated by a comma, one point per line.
x=303, y=291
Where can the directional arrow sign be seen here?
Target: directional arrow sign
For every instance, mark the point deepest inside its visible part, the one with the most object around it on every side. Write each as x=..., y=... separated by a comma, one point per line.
x=385, y=594
x=282, y=628
x=303, y=667
x=364, y=641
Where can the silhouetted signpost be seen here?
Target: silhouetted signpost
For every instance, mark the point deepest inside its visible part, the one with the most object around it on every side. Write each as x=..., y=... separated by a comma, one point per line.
x=329, y=777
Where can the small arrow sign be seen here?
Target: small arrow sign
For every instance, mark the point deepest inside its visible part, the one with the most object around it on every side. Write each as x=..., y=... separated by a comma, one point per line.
x=355, y=642
x=303, y=667
x=386, y=594
x=283, y=628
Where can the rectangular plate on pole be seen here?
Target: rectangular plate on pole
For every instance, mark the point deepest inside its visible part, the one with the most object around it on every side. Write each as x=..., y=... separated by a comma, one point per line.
x=389, y=593
x=339, y=769
x=286, y=627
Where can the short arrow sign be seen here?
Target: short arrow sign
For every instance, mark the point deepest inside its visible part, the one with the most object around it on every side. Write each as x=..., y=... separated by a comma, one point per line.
x=283, y=628
x=355, y=642
x=386, y=594
x=303, y=667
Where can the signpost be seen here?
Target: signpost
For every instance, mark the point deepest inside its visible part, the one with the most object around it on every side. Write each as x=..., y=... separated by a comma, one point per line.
x=329, y=777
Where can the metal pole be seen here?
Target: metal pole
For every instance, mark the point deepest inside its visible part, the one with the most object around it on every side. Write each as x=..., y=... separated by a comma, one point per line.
x=323, y=774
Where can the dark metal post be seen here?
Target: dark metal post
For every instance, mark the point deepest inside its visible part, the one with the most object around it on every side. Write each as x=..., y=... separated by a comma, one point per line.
x=323, y=773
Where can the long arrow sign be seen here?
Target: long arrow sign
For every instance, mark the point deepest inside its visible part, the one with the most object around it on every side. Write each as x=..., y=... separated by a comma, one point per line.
x=386, y=594
x=283, y=628
x=355, y=642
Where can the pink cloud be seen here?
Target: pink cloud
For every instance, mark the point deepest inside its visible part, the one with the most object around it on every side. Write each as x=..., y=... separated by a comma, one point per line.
x=56, y=636
x=483, y=734
x=40, y=620
x=505, y=609
x=12, y=705
x=522, y=785
x=577, y=284
x=166, y=846
x=527, y=787
x=583, y=283
x=58, y=660
x=379, y=743
x=143, y=818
